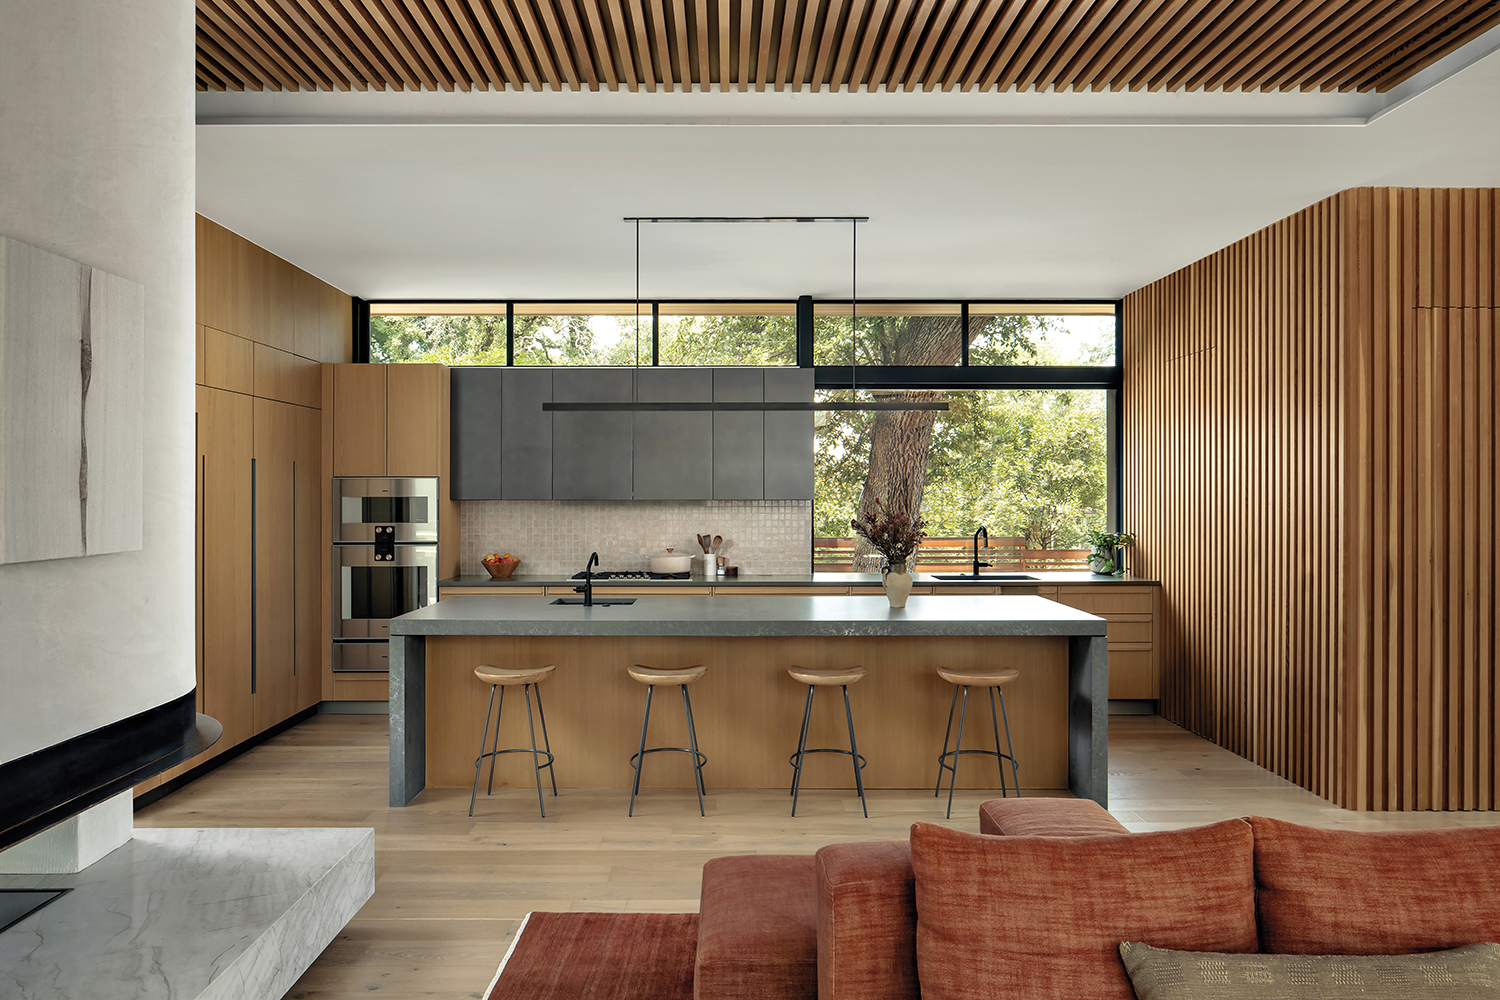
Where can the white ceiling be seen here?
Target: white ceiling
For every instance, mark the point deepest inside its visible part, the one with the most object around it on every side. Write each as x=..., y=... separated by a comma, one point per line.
x=969, y=195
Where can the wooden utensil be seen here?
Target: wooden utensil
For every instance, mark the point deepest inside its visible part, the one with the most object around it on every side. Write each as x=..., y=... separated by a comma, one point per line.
x=718, y=540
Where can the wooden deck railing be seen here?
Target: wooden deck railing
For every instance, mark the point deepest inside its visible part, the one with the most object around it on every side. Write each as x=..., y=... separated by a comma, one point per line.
x=947, y=555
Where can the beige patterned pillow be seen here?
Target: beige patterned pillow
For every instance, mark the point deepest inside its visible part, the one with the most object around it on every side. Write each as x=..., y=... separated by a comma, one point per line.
x=1472, y=971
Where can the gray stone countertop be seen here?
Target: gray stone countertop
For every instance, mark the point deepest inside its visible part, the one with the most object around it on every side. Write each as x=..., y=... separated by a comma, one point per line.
x=751, y=616
x=803, y=580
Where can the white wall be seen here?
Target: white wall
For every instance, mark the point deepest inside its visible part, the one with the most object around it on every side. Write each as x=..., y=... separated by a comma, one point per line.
x=96, y=164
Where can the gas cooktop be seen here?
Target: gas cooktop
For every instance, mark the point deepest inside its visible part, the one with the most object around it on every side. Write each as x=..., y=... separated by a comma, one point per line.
x=634, y=574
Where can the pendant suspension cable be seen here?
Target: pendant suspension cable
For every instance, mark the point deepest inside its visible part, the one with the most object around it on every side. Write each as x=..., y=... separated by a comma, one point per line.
x=635, y=391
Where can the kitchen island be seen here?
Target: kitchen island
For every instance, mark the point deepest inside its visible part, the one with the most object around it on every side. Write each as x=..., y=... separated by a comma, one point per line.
x=748, y=711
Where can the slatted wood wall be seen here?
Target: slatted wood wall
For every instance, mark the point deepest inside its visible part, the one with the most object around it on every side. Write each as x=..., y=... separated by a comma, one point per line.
x=1310, y=420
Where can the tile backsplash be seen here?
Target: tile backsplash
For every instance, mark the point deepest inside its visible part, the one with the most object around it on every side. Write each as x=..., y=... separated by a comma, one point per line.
x=556, y=536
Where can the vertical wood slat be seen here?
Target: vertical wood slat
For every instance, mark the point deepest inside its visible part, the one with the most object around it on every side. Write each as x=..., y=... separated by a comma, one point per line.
x=1330, y=382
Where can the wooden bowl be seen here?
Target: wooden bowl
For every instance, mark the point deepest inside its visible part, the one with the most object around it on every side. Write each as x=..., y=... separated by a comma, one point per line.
x=501, y=570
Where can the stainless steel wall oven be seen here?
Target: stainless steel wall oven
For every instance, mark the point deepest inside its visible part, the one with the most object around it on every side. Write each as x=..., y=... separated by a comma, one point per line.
x=385, y=563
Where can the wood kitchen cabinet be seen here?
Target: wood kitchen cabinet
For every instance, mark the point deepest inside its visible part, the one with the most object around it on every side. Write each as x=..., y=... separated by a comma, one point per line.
x=1132, y=616
x=389, y=420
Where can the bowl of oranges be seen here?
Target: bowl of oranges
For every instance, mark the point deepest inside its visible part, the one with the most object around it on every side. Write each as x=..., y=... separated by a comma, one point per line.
x=500, y=567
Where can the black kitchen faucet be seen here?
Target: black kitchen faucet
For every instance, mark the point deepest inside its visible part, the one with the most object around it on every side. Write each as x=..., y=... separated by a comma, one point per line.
x=587, y=590
x=985, y=532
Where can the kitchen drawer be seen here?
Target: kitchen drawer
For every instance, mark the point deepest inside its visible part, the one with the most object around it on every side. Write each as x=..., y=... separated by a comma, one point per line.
x=446, y=592
x=362, y=687
x=645, y=591
x=961, y=589
x=1132, y=674
x=1108, y=599
x=1129, y=628
x=724, y=590
x=880, y=591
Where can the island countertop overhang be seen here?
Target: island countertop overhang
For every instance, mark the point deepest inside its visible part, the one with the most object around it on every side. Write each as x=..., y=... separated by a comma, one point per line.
x=752, y=616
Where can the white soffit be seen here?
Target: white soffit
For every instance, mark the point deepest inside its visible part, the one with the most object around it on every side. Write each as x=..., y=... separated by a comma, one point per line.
x=521, y=195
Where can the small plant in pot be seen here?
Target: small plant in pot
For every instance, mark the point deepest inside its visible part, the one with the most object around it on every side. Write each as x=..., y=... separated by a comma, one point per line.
x=1106, y=559
x=895, y=535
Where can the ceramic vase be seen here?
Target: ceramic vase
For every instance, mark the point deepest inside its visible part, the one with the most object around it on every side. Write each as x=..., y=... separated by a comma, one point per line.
x=897, y=582
x=1102, y=562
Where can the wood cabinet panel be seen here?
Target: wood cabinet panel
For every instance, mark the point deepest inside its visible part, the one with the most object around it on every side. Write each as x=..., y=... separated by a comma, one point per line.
x=198, y=353
x=359, y=420
x=1108, y=599
x=226, y=430
x=249, y=295
x=216, y=276
x=414, y=412
x=446, y=592
x=278, y=328
x=308, y=556
x=1132, y=673
x=322, y=320
x=228, y=361
x=285, y=377
x=274, y=576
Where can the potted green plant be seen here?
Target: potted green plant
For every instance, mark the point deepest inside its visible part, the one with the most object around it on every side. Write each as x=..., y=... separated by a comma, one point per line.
x=895, y=535
x=1106, y=559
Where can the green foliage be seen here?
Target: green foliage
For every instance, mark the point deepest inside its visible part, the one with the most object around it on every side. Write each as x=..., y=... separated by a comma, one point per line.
x=449, y=340
x=762, y=341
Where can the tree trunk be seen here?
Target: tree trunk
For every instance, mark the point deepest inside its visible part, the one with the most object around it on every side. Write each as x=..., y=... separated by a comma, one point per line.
x=901, y=440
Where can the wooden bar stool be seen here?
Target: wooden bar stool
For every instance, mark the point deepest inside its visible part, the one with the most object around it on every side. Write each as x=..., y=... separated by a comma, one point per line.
x=994, y=680
x=815, y=678
x=501, y=678
x=652, y=677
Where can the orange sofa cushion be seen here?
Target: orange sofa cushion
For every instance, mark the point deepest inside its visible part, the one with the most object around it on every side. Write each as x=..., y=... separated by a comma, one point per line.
x=867, y=922
x=1046, y=818
x=756, y=929
x=1343, y=892
x=1043, y=917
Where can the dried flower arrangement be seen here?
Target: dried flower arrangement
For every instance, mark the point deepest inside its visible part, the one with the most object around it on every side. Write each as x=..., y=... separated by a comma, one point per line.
x=894, y=534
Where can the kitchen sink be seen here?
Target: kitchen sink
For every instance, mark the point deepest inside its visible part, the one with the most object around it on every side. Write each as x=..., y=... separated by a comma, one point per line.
x=599, y=602
x=986, y=577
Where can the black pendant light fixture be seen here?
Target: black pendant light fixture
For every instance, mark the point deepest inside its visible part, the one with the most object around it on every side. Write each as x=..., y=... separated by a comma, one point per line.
x=852, y=405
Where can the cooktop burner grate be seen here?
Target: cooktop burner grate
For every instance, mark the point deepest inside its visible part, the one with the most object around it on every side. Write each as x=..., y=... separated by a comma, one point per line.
x=634, y=574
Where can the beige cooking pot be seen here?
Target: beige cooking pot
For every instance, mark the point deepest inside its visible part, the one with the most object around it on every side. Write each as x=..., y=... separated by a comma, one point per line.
x=671, y=562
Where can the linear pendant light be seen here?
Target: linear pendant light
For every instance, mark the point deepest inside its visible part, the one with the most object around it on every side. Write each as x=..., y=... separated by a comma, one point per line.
x=638, y=407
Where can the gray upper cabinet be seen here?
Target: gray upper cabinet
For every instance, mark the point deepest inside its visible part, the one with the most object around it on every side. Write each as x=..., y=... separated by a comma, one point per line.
x=591, y=451
x=525, y=434
x=674, y=450
x=739, y=436
x=475, y=421
x=789, y=435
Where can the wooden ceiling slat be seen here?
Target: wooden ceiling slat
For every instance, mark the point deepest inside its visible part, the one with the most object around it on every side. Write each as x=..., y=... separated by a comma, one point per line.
x=788, y=42
x=536, y=40
x=1158, y=45
x=861, y=65
x=899, y=29
x=765, y=42
x=1386, y=33
x=557, y=43
x=1046, y=38
x=704, y=77
x=278, y=27
x=986, y=32
x=579, y=39
x=336, y=43
x=906, y=52
x=937, y=30
x=373, y=27
x=1002, y=69
x=956, y=30
x=825, y=45
x=421, y=55
x=1074, y=44
x=251, y=46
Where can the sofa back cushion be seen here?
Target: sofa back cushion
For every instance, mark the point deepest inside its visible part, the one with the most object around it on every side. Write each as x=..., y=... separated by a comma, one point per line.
x=1342, y=892
x=1034, y=817
x=867, y=922
x=1043, y=917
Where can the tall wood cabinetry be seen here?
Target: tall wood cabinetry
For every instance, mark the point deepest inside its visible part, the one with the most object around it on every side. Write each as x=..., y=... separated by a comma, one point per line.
x=265, y=329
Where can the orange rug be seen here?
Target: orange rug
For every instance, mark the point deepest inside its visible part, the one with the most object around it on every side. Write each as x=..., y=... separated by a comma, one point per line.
x=599, y=956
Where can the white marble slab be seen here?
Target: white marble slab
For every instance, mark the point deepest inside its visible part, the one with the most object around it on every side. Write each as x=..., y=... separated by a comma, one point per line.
x=224, y=914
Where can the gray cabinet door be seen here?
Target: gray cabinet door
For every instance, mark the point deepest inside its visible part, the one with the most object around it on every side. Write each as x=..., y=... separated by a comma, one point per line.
x=739, y=437
x=674, y=456
x=591, y=451
x=789, y=435
x=475, y=427
x=525, y=434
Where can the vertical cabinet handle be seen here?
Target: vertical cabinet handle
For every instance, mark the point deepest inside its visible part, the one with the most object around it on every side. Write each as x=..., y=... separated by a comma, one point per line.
x=296, y=652
x=254, y=561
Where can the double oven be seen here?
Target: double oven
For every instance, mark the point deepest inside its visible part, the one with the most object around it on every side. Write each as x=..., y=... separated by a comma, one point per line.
x=385, y=558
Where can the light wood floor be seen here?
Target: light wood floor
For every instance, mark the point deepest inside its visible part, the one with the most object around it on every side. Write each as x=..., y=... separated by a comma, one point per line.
x=451, y=890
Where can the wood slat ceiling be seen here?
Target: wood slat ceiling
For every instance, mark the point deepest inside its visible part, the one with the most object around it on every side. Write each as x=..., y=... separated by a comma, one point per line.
x=1158, y=45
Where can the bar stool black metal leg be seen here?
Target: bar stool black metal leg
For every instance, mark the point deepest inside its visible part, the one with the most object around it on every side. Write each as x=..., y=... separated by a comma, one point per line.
x=640, y=757
x=546, y=743
x=489, y=789
x=999, y=757
x=687, y=708
x=1015, y=778
x=801, y=748
x=957, y=750
x=859, y=781
x=479, y=761
x=536, y=761
x=947, y=733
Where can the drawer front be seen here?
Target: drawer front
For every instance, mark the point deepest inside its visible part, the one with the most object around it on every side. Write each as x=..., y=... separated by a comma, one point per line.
x=1131, y=674
x=961, y=589
x=728, y=590
x=446, y=592
x=1107, y=600
x=1129, y=628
